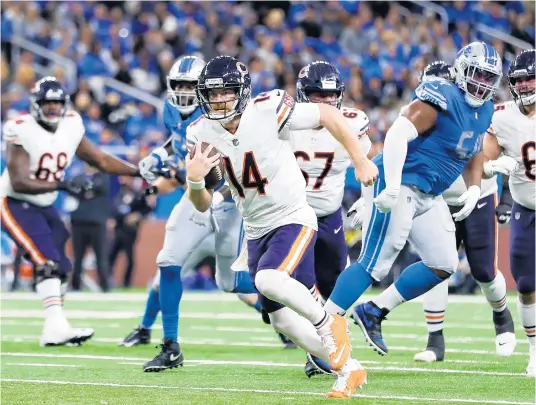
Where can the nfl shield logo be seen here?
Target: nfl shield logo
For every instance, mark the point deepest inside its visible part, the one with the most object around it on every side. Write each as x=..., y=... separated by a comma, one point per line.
x=235, y=142
x=518, y=215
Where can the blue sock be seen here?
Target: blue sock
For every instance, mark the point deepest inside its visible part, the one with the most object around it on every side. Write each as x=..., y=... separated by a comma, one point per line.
x=170, y=297
x=152, y=308
x=416, y=280
x=243, y=283
x=258, y=306
x=350, y=285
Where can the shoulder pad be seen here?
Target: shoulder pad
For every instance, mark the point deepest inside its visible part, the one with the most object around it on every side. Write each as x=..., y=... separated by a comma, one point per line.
x=192, y=130
x=278, y=102
x=434, y=91
x=357, y=119
x=14, y=129
x=502, y=117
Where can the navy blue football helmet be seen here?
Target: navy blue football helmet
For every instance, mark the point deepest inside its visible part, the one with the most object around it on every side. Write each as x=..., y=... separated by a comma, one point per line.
x=224, y=72
x=521, y=79
x=48, y=90
x=438, y=68
x=319, y=77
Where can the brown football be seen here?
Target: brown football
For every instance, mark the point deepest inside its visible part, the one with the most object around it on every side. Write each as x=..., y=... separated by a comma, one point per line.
x=214, y=177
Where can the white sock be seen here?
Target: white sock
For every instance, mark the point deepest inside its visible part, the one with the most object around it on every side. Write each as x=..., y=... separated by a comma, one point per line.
x=495, y=292
x=528, y=319
x=389, y=298
x=300, y=331
x=63, y=291
x=280, y=287
x=435, y=305
x=332, y=308
x=50, y=292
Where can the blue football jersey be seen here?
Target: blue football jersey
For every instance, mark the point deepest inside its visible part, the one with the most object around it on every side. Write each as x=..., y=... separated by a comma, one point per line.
x=177, y=128
x=436, y=158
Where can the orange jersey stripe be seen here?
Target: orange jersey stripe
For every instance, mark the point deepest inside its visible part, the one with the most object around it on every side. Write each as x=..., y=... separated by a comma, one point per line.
x=297, y=250
x=307, y=243
x=283, y=113
x=19, y=235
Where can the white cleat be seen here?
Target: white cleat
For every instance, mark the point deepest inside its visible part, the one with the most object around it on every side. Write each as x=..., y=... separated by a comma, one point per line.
x=427, y=356
x=505, y=344
x=349, y=378
x=66, y=337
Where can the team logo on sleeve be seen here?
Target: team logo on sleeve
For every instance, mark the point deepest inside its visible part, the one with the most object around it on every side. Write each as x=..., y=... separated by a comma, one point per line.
x=242, y=68
x=304, y=72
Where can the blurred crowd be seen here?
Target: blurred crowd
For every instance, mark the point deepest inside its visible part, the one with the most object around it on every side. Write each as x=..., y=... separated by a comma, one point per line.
x=379, y=47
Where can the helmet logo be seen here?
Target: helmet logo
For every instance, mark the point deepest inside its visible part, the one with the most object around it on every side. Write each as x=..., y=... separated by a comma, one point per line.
x=329, y=84
x=304, y=72
x=54, y=93
x=242, y=68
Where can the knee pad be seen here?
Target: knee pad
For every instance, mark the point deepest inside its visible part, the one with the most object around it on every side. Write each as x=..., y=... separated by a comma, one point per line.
x=225, y=283
x=47, y=270
x=264, y=281
x=167, y=257
x=446, y=264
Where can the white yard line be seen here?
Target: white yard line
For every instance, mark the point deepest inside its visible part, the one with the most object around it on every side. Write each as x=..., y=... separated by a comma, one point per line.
x=276, y=392
x=384, y=367
x=200, y=297
x=222, y=342
x=41, y=365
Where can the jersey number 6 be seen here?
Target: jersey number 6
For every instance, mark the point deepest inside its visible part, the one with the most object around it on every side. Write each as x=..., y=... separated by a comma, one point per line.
x=44, y=173
x=528, y=149
x=251, y=176
x=327, y=156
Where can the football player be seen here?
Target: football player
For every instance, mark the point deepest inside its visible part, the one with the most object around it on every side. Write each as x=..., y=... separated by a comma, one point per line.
x=436, y=137
x=480, y=237
x=186, y=228
x=269, y=190
x=40, y=146
x=511, y=138
x=323, y=161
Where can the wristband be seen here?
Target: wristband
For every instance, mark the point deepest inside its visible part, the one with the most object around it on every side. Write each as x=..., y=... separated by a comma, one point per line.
x=196, y=185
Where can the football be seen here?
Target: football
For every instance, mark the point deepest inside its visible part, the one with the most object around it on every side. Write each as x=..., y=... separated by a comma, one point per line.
x=214, y=177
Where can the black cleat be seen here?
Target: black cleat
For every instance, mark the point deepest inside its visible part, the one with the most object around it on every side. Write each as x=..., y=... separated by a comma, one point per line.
x=289, y=344
x=316, y=366
x=435, y=348
x=169, y=357
x=369, y=318
x=139, y=336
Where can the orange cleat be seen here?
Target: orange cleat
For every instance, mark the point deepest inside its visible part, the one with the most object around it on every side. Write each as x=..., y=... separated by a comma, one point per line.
x=351, y=377
x=335, y=338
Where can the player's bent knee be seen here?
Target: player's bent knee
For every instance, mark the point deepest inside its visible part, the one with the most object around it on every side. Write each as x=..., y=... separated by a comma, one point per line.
x=264, y=281
x=525, y=285
x=443, y=267
x=167, y=257
x=225, y=284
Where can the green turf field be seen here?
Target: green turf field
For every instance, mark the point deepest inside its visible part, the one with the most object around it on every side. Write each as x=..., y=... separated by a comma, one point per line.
x=233, y=358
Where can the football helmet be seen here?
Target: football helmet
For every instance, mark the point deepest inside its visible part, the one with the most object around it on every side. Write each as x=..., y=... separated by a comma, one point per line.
x=185, y=70
x=438, y=68
x=319, y=77
x=48, y=90
x=478, y=72
x=224, y=72
x=522, y=79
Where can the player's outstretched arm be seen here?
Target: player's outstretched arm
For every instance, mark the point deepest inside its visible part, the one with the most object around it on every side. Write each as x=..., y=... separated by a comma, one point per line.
x=495, y=163
x=18, y=166
x=92, y=155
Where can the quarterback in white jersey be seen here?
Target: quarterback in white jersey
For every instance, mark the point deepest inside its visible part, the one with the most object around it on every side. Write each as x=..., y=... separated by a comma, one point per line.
x=324, y=161
x=39, y=147
x=268, y=187
x=511, y=144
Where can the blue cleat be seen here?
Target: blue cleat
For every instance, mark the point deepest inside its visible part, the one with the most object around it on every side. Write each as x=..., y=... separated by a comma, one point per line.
x=369, y=318
x=316, y=366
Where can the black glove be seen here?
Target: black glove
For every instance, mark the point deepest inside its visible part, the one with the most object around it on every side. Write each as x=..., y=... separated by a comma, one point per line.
x=76, y=186
x=504, y=213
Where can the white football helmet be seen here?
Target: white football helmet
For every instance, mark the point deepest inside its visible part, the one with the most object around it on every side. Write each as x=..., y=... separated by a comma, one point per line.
x=478, y=72
x=185, y=69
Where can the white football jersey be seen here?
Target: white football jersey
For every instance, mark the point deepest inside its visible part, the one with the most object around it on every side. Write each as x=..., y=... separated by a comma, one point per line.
x=266, y=182
x=323, y=161
x=451, y=195
x=50, y=153
x=516, y=134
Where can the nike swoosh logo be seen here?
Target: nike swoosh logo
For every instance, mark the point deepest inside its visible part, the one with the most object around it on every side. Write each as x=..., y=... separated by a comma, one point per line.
x=173, y=357
x=481, y=205
x=228, y=209
x=337, y=230
x=339, y=357
x=502, y=344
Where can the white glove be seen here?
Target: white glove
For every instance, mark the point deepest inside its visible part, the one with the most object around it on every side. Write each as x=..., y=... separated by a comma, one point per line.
x=469, y=199
x=504, y=165
x=358, y=210
x=152, y=162
x=217, y=199
x=387, y=200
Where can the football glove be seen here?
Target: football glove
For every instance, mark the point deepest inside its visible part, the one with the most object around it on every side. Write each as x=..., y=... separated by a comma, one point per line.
x=469, y=199
x=152, y=163
x=358, y=211
x=387, y=200
x=76, y=186
x=504, y=165
x=503, y=213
